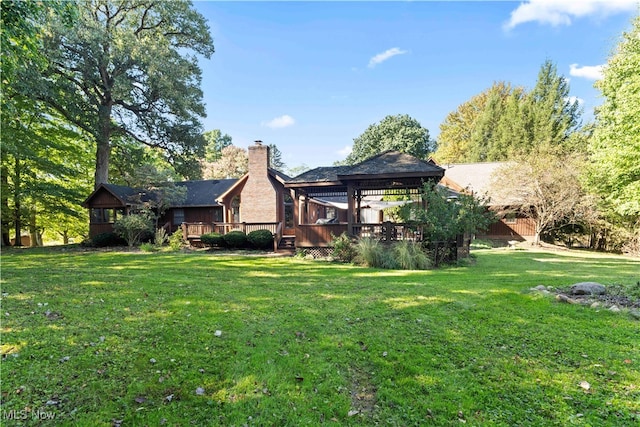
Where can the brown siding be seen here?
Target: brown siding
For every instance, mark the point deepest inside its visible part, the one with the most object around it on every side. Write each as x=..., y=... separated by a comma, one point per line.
x=318, y=235
x=104, y=199
x=523, y=229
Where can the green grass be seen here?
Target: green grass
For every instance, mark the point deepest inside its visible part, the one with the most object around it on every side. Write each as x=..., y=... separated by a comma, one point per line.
x=310, y=343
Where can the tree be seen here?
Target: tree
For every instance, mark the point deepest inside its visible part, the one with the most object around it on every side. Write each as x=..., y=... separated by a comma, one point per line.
x=505, y=122
x=614, y=171
x=551, y=115
x=401, y=132
x=544, y=187
x=20, y=37
x=480, y=129
x=124, y=69
x=233, y=163
x=215, y=141
x=275, y=158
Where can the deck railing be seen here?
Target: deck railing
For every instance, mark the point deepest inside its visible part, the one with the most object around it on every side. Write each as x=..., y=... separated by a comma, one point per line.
x=387, y=231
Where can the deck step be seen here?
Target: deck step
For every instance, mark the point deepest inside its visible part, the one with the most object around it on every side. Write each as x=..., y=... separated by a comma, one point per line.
x=287, y=242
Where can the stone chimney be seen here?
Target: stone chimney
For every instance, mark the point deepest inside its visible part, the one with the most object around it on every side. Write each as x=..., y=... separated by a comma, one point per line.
x=259, y=201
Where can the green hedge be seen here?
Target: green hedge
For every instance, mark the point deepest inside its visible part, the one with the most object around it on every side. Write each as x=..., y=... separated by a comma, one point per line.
x=236, y=239
x=213, y=239
x=261, y=239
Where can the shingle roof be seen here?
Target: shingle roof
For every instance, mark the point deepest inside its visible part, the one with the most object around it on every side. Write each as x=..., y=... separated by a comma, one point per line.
x=387, y=163
x=394, y=162
x=205, y=192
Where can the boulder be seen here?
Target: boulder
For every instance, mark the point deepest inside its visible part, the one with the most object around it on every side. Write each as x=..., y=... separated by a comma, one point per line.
x=588, y=288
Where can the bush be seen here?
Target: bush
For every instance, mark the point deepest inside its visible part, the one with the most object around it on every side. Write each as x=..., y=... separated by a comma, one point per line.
x=213, y=239
x=370, y=252
x=261, y=239
x=134, y=228
x=176, y=241
x=343, y=249
x=160, y=237
x=107, y=239
x=148, y=247
x=410, y=256
x=236, y=239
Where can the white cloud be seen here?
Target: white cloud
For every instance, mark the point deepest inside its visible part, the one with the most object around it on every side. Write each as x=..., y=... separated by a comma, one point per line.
x=389, y=53
x=575, y=100
x=344, y=152
x=555, y=12
x=591, y=72
x=280, y=122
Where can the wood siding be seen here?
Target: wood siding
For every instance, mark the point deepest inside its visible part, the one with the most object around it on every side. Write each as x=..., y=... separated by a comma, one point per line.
x=317, y=235
x=522, y=229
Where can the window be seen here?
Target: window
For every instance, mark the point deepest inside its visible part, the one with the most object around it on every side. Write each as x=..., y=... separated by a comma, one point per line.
x=235, y=209
x=288, y=211
x=178, y=216
x=103, y=216
x=510, y=218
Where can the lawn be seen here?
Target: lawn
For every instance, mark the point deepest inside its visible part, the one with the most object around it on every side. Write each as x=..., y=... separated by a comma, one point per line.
x=128, y=338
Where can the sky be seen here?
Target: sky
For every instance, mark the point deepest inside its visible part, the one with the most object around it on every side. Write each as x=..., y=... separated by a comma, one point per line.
x=310, y=77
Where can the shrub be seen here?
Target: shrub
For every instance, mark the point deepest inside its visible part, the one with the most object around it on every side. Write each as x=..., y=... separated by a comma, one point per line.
x=160, y=237
x=410, y=256
x=107, y=239
x=236, y=239
x=261, y=239
x=176, y=241
x=370, y=252
x=134, y=228
x=343, y=248
x=148, y=247
x=213, y=239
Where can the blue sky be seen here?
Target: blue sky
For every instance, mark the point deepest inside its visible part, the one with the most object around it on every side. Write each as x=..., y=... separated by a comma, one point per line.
x=312, y=76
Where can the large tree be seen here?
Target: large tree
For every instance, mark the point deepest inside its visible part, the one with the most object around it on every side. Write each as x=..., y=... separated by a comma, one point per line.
x=401, y=132
x=615, y=146
x=127, y=68
x=233, y=163
x=504, y=122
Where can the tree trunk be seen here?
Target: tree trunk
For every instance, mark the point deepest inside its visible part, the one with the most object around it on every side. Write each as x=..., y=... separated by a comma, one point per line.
x=103, y=145
x=4, y=208
x=34, y=236
x=17, y=203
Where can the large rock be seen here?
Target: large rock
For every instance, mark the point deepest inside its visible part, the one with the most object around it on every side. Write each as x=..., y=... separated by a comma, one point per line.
x=588, y=288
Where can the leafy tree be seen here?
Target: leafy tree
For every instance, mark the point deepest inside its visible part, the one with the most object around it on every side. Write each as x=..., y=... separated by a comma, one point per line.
x=504, y=122
x=233, y=163
x=477, y=130
x=401, y=132
x=161, y=184
x=215, y=141
x=546, y=188
x=614, y=171
x=20, y=37
x=443, y=219
x=134, y=227
x=124, y=69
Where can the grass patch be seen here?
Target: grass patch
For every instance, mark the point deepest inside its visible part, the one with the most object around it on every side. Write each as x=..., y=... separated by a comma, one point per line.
x=129, y=338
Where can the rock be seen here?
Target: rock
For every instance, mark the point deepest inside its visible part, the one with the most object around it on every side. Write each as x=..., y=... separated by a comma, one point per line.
x=564, y=298
x=539, y=288
x=635, y=314
x=614, y=309
x=595, y=304
x=588, y=288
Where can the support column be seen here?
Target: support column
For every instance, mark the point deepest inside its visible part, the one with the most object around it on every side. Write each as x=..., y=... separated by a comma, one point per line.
x=350, y=208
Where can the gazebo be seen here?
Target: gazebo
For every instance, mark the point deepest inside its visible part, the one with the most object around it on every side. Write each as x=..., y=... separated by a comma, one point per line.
x=390, y=173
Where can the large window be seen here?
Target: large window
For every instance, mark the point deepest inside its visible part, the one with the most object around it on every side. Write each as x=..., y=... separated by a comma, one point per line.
x=235, y=209
x=104, y=215
x=288, y=211
x=178, y=216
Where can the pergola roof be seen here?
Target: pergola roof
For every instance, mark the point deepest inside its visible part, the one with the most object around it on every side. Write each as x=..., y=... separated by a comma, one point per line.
x=387, y=171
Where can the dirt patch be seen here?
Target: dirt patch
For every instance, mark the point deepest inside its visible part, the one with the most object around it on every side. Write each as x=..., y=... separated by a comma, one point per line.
x=363, y=392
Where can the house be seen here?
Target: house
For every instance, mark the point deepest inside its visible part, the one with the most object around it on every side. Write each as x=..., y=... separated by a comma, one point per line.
x=304, y=212
x=479, y=179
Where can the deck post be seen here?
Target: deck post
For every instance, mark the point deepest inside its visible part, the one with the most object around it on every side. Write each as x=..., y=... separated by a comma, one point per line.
x=350, y=208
